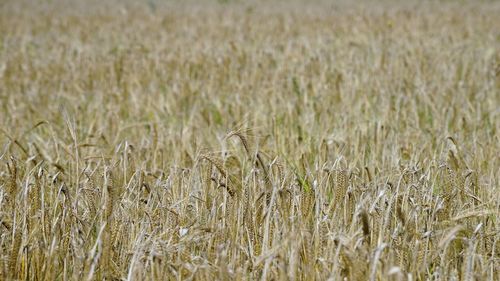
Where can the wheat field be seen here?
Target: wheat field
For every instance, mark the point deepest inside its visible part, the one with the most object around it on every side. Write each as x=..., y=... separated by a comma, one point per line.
x=249, y=140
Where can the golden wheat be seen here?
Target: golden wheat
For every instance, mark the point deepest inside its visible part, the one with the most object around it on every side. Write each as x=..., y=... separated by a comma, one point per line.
x=231, y=140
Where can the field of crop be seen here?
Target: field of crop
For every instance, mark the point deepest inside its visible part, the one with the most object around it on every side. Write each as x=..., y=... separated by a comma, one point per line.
x=261, y=140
